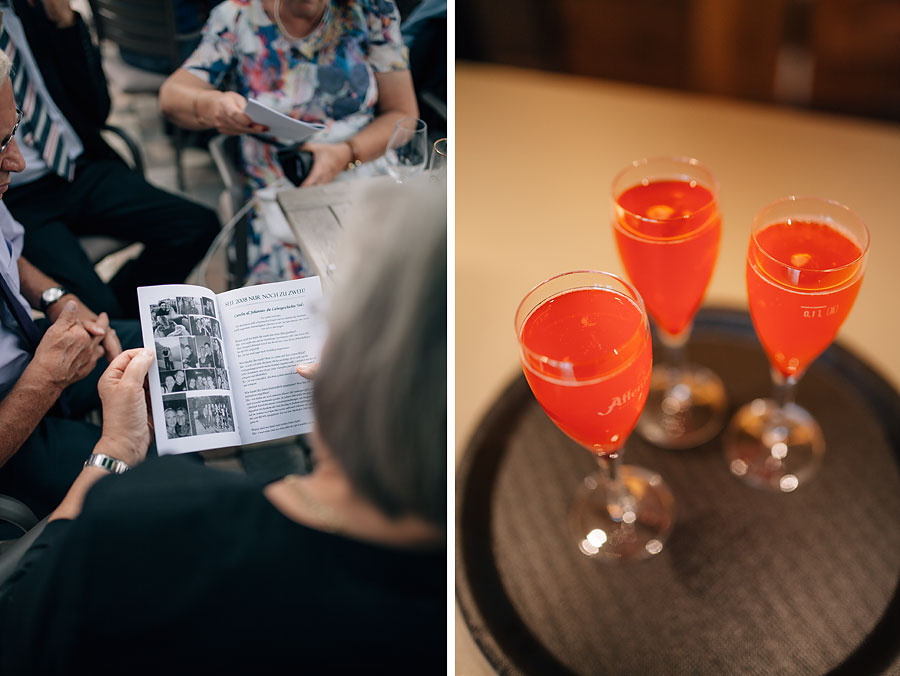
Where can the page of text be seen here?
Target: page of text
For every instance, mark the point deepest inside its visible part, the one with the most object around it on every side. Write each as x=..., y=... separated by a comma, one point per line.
x=270, y=328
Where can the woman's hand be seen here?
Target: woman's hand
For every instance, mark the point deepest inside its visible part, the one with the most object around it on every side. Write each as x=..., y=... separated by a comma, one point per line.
x=329, y=160
x=308, y=371
x=126, y=428
x=225, y=112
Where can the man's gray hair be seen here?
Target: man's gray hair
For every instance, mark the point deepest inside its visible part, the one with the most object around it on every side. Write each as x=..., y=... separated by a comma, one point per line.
x=5, y=66
x=381, y=390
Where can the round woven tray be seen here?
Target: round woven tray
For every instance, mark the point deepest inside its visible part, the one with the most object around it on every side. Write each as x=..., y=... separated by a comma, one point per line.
x=749, y=582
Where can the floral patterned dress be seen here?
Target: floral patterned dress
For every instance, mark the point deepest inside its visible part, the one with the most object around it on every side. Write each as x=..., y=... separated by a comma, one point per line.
x=327, y=77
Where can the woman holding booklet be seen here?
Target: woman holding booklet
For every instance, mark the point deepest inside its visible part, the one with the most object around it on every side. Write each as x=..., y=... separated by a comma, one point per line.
x=338, y=63
x=175, y=565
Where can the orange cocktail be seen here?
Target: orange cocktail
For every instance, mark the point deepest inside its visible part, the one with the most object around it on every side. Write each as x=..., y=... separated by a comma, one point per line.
x=584, y=341
x=805, y=265
x=667, y=227
x=802, y=279
x=588, y=360
x=668, y=234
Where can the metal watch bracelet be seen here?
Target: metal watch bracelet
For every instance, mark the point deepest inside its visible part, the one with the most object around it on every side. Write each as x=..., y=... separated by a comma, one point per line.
x=111, y=465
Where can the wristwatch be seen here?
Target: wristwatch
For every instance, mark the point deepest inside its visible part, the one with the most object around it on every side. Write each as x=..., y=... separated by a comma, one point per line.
x=105, y=462
x=50, y=296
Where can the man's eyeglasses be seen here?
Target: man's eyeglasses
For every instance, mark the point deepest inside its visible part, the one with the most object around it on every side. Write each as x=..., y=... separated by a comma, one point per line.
x=4, y=144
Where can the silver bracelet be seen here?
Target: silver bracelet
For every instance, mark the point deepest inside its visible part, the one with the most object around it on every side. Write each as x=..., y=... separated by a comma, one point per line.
x=105, y=462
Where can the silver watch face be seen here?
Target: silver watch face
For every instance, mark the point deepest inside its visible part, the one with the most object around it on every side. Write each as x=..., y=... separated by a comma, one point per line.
x=53, y=294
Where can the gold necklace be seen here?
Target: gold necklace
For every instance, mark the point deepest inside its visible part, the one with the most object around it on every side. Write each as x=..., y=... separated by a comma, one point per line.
x=329, y=517
x=283, y=28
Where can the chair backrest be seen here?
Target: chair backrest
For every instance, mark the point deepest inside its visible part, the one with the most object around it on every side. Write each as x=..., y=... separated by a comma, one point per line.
x=144, y=26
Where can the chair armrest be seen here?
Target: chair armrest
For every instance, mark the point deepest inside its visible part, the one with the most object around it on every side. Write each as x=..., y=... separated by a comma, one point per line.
x=10, y=559
x=17, y=513
x=137, y=159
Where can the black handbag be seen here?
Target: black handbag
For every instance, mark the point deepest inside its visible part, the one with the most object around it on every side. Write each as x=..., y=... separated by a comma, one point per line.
x=295, y=163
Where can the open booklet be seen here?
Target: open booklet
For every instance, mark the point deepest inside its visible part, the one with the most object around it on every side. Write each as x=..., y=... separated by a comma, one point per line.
x=224, y=373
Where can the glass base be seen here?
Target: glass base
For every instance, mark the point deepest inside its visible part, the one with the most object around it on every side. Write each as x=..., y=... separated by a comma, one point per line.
x=604, y=531
x=773, y=449
x=686, y=407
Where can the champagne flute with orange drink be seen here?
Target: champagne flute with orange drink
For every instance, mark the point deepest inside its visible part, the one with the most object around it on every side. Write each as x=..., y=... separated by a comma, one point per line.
x=805, y=264
x=584, y=341
x=667, y=226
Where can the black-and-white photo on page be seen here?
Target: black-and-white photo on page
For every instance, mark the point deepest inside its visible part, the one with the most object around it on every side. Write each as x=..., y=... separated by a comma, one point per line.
x=218, y=353
x=173, y=381
x=188, y=353
x=188, y=305
x=167, y=321
x=168, y=353
x=208, y=308
x=205, y=357
x=206, y=326
x=211, y=414
x=201, y=379
x=175, y=411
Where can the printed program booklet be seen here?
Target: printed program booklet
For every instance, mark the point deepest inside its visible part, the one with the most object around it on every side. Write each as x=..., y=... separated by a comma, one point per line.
x=225, y=363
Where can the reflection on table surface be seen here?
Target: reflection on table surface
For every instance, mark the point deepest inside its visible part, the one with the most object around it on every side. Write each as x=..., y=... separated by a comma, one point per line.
x=536, y=155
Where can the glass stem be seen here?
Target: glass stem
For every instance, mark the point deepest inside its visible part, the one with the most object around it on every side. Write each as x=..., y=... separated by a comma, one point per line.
x=676, y=401
x=675, y=356
x=619, y=501
x=784, y=389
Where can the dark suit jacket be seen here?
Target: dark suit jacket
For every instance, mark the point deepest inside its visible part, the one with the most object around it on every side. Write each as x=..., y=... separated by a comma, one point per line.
x=70, y=65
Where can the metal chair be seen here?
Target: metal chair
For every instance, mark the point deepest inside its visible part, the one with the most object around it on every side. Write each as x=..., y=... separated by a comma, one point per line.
x=148, y=28
x=12, y=551
x=17, y=518
x=233, y=207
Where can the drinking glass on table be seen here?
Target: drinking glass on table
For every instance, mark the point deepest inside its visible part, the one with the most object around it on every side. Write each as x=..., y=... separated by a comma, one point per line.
x=805, y=264
x=407, y=149
x=584, y=341
x=667, y=226
x=439, y=156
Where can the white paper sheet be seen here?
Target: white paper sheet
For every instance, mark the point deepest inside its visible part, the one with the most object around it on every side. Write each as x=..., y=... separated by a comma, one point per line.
x=280, y=125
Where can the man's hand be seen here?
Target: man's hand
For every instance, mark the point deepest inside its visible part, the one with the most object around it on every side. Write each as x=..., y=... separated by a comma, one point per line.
x=225, y=112
x=126, y=432
x=329, y=160
x=96, y=325
x=58, y=11
x=67, y=352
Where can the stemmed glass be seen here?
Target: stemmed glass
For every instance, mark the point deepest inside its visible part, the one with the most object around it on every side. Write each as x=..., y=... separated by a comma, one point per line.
x=584, y=341
x=667, y=226
x=407, y=149
x=439, y=156
x=805, y=264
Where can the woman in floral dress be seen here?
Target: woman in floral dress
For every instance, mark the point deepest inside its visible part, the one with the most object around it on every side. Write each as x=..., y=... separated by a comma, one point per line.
x=340, y=63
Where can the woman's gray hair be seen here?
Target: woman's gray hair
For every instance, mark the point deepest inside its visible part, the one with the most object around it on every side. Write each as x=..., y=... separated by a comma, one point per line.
x=5, y=66
x=381, y=390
